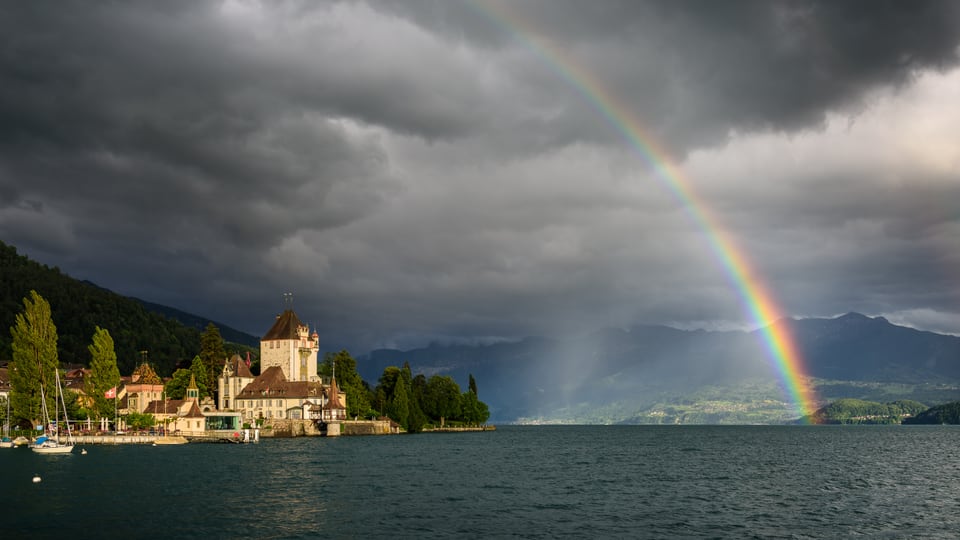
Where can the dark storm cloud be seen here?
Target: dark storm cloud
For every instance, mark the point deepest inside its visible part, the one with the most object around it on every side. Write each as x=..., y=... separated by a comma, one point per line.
x=692, y=72
x=414, y=169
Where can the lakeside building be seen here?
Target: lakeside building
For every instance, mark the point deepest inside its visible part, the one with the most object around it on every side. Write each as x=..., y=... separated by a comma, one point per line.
x=75, y=380
x=288, y=386
x=234, y=377
x=335, y=407
x=271, y=395
x=179, y=415
x=191, y=415
x=143, y=387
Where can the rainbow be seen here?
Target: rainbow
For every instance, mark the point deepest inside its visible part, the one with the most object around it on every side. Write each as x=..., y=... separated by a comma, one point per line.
x=760, y=302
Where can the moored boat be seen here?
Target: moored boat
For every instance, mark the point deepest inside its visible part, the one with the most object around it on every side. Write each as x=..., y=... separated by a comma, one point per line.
x=170, y=439
x=44, y=444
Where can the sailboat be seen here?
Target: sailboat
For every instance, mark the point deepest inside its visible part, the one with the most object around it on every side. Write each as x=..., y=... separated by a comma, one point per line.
x=5, y=440
x=44, y=444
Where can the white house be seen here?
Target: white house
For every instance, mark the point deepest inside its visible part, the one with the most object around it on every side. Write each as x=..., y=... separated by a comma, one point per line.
x=234, y=377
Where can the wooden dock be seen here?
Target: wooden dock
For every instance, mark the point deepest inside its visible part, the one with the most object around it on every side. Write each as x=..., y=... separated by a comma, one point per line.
x=116, y=439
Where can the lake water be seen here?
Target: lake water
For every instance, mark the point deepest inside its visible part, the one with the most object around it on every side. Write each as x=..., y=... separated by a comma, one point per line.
x=528, y=482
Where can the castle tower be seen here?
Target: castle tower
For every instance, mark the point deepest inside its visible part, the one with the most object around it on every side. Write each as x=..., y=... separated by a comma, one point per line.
x=290, y=346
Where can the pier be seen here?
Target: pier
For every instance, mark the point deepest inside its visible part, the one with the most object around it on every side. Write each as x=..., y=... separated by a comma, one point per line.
x=117, y=439
x=208, y=437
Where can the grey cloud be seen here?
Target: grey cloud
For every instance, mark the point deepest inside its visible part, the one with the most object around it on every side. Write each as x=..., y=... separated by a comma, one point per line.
x=412, y=170
x=692, y=72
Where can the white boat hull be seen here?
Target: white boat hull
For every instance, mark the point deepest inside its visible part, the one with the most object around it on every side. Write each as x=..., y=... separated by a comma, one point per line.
x=53, y=448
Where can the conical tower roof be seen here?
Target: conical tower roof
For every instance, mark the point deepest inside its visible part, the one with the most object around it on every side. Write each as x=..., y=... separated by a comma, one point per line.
x=333, y=400
x=144, y=374
x=285, y=328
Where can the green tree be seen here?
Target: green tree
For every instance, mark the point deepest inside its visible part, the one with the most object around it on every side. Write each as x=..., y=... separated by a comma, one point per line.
x=399, y=407
x=348, y=380
x=473, y=411
x=442, y=398
x=34, y=344
x=212, y=353
x=199, y=369
x=416, y=419
x=176, y=387
x=385, y=387
x=104, y=373
x=140, y=421
x=74, y=410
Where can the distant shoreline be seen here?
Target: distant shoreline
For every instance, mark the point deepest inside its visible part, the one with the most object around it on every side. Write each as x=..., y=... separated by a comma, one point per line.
x=460, y=429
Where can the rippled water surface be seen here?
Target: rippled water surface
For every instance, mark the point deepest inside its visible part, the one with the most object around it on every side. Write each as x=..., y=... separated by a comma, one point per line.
x=531, y=482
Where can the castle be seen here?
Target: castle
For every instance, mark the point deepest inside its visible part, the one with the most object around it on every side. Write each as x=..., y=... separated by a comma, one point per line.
x=288, y=386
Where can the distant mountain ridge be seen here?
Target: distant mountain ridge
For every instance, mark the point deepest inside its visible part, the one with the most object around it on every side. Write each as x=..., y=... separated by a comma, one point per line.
x=656, y=373
x=229, y=334
x=854, y=345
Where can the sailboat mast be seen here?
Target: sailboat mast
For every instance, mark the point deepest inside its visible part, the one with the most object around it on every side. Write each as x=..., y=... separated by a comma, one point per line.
x=43, y=408
x=63, y=401
x=56, y=415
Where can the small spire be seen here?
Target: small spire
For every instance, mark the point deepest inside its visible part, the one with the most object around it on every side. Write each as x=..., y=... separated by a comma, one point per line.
x=193, y=392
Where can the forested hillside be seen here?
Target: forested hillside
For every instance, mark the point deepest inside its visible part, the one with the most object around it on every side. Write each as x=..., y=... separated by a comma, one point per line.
x=858, y=411
x=78, y=307
x=948, y=413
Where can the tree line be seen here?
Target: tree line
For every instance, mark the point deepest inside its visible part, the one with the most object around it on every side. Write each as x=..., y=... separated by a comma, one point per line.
x=412, y=401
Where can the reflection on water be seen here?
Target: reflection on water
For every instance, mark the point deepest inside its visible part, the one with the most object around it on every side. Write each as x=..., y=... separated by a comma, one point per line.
x=660, y=481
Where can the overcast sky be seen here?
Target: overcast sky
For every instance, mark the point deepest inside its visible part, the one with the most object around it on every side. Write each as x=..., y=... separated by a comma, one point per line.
x=424, y=170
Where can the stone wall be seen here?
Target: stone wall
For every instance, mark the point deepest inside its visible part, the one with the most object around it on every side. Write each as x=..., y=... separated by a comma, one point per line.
x=366, y=427
x=288, y=427
x=285, y=427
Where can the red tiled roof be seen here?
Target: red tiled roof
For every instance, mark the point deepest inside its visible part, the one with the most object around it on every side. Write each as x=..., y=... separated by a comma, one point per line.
x=333, y=398
x=171, y=406
x=285, y=327
x=239, y=367
x=144, y=374
x=77, y=373
x=194, y=411
x=273, y=383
